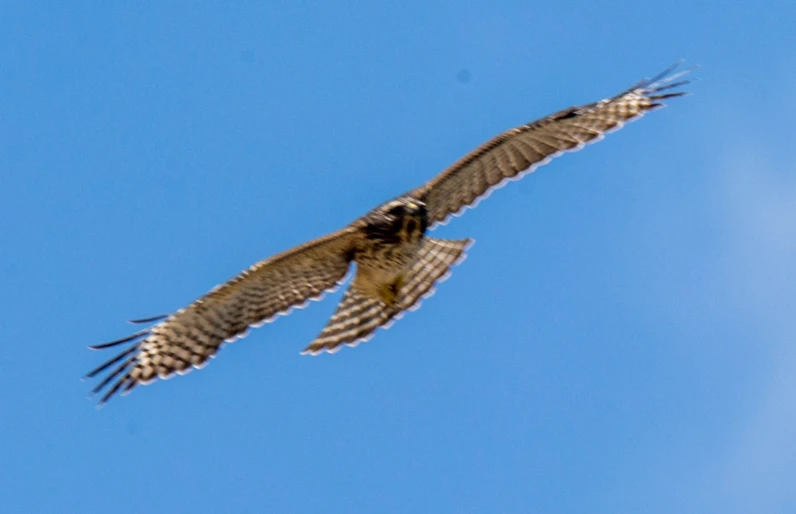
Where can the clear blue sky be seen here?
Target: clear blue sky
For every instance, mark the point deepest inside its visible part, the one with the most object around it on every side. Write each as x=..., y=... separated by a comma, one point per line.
x=622, y=337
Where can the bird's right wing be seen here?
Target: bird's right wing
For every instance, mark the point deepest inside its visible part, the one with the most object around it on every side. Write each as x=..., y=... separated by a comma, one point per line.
x=187, y=338
x=522, y=149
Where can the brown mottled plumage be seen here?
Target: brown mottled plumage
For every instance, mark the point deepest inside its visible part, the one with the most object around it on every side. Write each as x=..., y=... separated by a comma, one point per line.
x=397, y=263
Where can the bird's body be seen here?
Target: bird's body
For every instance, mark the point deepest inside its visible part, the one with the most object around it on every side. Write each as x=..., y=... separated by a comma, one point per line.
x=397, y=262
x=394, y=235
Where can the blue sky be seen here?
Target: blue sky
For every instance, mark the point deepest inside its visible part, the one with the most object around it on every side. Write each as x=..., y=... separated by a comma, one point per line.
x=621, y=337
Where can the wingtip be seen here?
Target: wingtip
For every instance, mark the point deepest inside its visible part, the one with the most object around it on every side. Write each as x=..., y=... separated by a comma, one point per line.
x=668, y=75
x=664, y=80
x=666, y=72
x=152, y=319
x=123, y=340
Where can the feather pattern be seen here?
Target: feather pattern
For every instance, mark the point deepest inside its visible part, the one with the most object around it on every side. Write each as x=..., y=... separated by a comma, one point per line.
x=521, y=150
x=359, y=314
x=189, y=337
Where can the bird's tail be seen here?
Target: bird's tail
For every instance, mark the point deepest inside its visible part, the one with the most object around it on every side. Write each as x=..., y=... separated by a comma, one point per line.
x=359, y=314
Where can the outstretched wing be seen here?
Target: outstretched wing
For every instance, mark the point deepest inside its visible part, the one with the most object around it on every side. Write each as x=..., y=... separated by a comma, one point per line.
x=359, y=314
x=189, y=337
x=522, y=149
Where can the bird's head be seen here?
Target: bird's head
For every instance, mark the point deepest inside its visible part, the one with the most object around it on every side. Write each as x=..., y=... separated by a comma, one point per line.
x=403, y=218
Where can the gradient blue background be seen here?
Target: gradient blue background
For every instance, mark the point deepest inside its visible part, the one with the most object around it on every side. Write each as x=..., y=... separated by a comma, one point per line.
x=622, y=337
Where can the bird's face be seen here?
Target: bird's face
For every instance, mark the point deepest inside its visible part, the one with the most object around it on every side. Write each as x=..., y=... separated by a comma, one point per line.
x=403, y=219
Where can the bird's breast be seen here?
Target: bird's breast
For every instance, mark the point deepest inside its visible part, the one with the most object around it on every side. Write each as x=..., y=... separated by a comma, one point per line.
x=382, y=263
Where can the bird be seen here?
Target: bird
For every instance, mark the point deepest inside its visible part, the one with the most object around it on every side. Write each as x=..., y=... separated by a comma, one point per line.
x=396, y=262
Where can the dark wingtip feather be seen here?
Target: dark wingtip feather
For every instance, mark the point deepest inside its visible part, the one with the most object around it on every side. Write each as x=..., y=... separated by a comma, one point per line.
x=129, y=387
x=127, y=339
x=112, y=392
x=111, y=362
x=124, y=366
x=664, y=79
x=669, y=95
x=153, y=319
x=665, y=73
x=660, y=82
x=671, y=86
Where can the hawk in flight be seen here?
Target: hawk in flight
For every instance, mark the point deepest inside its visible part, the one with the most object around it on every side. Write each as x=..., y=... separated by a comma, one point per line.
x=397, y=262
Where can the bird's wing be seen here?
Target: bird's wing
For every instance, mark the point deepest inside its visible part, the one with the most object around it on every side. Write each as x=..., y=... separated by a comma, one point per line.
x=520, y=150
x=187, y=338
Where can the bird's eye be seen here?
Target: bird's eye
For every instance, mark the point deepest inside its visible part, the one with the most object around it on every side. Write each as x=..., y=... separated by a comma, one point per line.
x=396, y=210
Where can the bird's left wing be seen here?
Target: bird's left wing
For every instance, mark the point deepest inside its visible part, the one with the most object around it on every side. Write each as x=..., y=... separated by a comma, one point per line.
x=522, y=149
x=187, y=338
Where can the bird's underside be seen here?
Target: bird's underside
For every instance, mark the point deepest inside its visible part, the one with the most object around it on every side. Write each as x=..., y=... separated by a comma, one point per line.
x=396, y=262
